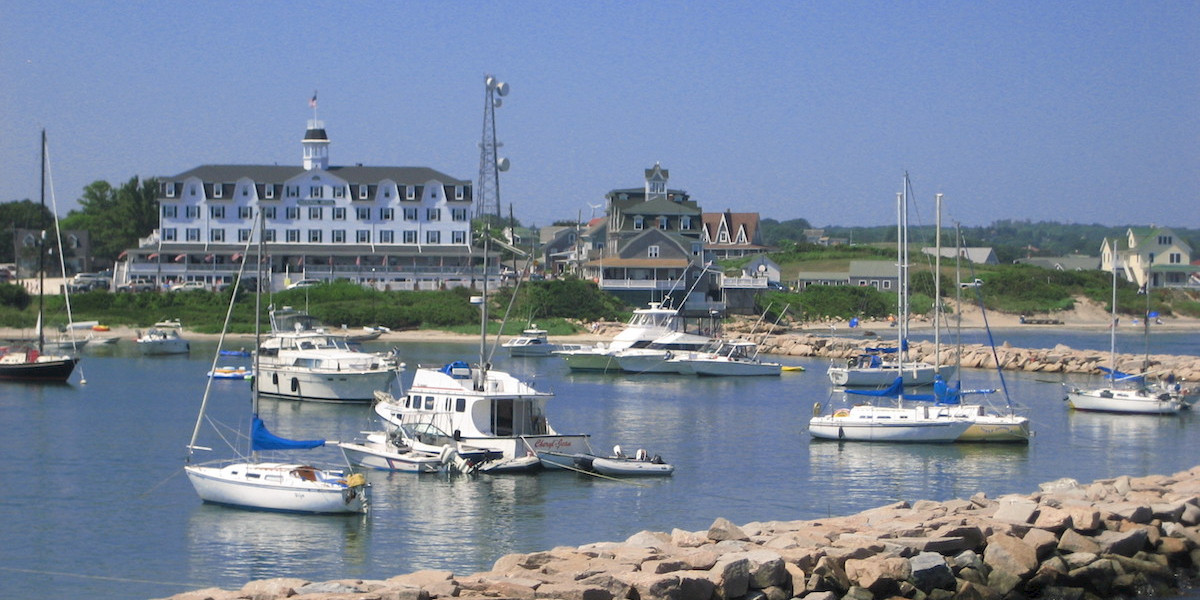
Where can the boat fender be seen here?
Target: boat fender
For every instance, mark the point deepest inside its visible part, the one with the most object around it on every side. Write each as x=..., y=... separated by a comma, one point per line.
x=667, y=356
x=1164, y=397
x=816, y=409
x=852, y=362
x=642, y=455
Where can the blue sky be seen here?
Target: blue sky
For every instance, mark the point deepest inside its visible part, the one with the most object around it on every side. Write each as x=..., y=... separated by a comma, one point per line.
x=1082, y=112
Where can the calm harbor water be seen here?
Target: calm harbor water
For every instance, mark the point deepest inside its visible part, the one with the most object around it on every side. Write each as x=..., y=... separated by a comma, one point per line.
x=96, y=505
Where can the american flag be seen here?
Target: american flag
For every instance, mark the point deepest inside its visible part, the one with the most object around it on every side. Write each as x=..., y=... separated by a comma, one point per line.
x=312, y=102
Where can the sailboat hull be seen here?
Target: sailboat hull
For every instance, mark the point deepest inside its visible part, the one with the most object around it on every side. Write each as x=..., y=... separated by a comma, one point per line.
x=914, y=374
x=56, y=369
x=278, y=487
x=1134, y=401
x=885, y=424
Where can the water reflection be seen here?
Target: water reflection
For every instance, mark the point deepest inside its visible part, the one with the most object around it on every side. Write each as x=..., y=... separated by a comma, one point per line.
x=867, y=475
x=240, y=545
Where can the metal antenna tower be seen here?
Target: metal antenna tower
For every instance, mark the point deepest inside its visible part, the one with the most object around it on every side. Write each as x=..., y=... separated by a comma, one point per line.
x=490, y=164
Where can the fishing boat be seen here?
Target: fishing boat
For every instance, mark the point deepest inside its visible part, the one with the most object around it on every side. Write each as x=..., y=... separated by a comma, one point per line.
x=29, y=361
x=729, y=358
x=251, y=482
x=532, y=342
x=162, y=339
x=483, y=410
x=656, y=357
x=645, y=326
x=641, y=464
x=1122, y=393
x=387, y=451
x=302, y=361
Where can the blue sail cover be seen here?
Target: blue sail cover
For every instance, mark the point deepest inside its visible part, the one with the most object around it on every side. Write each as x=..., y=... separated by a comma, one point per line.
x=261, y=439
x=458, y=364
x=1121, y=376
x=946, y=393
x=896, y=390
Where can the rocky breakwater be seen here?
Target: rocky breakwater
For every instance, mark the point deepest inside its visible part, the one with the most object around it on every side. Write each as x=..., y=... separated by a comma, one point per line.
x=1113, y=538
x=1060, y=359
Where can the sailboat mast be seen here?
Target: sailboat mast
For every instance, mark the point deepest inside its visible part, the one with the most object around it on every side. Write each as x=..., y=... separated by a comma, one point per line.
x=42, y=259
x=937, y=288
x=1112, y=325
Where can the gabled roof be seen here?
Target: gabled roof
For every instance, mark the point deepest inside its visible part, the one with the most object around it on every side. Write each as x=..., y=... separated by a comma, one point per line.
x=734, y=223
x=873, y=268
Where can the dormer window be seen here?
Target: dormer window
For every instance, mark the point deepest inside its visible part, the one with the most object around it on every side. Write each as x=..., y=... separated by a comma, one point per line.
x=639, y=223
x=216, y=190
x=269, y=191
x=362, y=192
x=662, y=223
x=458, y=192
x=685, y=223
x=170, y=186
x=410, y=192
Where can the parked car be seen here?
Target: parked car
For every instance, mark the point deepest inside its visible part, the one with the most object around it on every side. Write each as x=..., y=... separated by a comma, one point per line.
x=971, y=284
x=189, y=286
x=304, y=283
x=137, y=286
x=86, y=282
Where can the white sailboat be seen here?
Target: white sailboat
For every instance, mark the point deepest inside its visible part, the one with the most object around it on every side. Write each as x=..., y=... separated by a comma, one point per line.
x=249, y=481
x=1122, y=393
x=987, y=424
x=917, y=422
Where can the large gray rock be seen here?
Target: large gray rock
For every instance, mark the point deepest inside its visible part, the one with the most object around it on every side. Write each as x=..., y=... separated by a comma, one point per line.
x=1125, y=543
x=1016, y=511
x=929, y=571
x=881, y=575
x=732, y=573
x=828, y=576
x=1010, y=560
x=722, y=529
x=1043, y=542
x=269, y=589
x=1072, y=541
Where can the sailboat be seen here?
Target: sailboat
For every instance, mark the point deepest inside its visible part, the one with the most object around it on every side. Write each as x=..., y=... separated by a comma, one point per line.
x=874, y=367
x=916, y=422
x=987, y=424
x=1122, y=393
x=26, y=362
x=252, y=483
x=478, y=410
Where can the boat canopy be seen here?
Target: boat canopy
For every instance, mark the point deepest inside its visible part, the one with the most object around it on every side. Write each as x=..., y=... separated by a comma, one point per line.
x=261, y=439
x=454, y=369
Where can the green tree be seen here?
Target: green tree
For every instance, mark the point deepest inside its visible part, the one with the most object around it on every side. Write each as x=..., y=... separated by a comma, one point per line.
x=116, y=218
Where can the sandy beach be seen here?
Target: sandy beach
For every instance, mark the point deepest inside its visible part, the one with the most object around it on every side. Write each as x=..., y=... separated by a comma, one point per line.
x=1086, y=316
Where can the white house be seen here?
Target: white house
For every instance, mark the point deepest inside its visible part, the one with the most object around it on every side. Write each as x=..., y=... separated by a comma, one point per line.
x=399, y=227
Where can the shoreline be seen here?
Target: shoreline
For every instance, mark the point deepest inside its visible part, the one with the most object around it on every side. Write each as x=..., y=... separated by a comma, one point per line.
x=1112, y=538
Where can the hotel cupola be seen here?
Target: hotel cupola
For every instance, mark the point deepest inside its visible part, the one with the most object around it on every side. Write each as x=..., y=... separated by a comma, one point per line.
x=316, y=146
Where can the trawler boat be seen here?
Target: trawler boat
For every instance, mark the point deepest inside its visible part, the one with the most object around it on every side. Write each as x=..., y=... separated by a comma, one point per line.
x=163, y=338
x=301, y=361
x=481, y=410
x=531, y=342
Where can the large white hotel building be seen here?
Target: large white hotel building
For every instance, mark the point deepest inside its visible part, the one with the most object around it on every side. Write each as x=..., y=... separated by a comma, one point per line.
x=388, y=227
